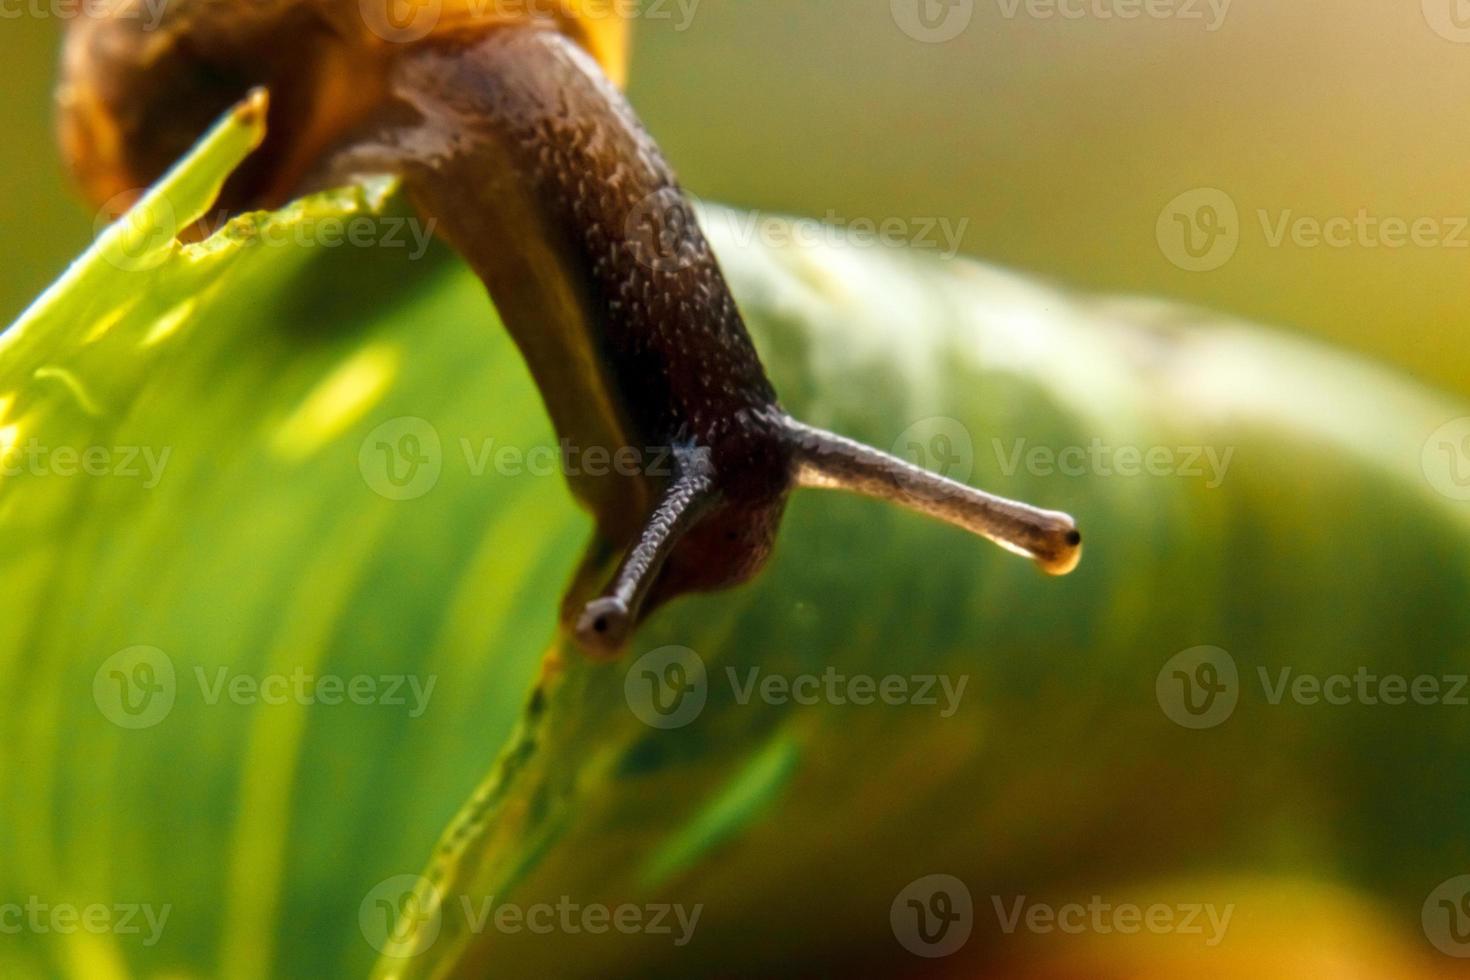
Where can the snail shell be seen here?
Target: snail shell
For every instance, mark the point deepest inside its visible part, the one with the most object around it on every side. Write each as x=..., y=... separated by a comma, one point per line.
x=141, y=82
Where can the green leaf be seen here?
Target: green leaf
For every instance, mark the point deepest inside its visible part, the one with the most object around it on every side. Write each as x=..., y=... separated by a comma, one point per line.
x=233, y=387
x=320, y=503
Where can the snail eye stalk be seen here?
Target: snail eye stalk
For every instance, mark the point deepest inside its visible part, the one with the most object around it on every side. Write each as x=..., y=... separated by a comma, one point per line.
x=605, y=622
x=831, y=462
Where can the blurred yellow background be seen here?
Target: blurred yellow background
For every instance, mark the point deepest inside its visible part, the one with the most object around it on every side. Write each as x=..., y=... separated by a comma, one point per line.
x=1052, y=133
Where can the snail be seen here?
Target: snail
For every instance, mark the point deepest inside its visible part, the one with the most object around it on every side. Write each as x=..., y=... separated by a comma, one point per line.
x=508, y=128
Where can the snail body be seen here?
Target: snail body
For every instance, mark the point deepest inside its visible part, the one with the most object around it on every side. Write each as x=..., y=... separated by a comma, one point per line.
x=510, y=136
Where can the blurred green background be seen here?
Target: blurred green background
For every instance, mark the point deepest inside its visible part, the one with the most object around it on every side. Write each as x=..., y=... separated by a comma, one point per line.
x=1056, y=140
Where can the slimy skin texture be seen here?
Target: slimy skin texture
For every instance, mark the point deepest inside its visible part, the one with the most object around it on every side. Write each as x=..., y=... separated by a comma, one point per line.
x=531, y=164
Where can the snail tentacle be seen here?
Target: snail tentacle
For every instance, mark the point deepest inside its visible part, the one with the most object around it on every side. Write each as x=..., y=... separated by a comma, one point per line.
x=829, y=461
x=606, y=621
